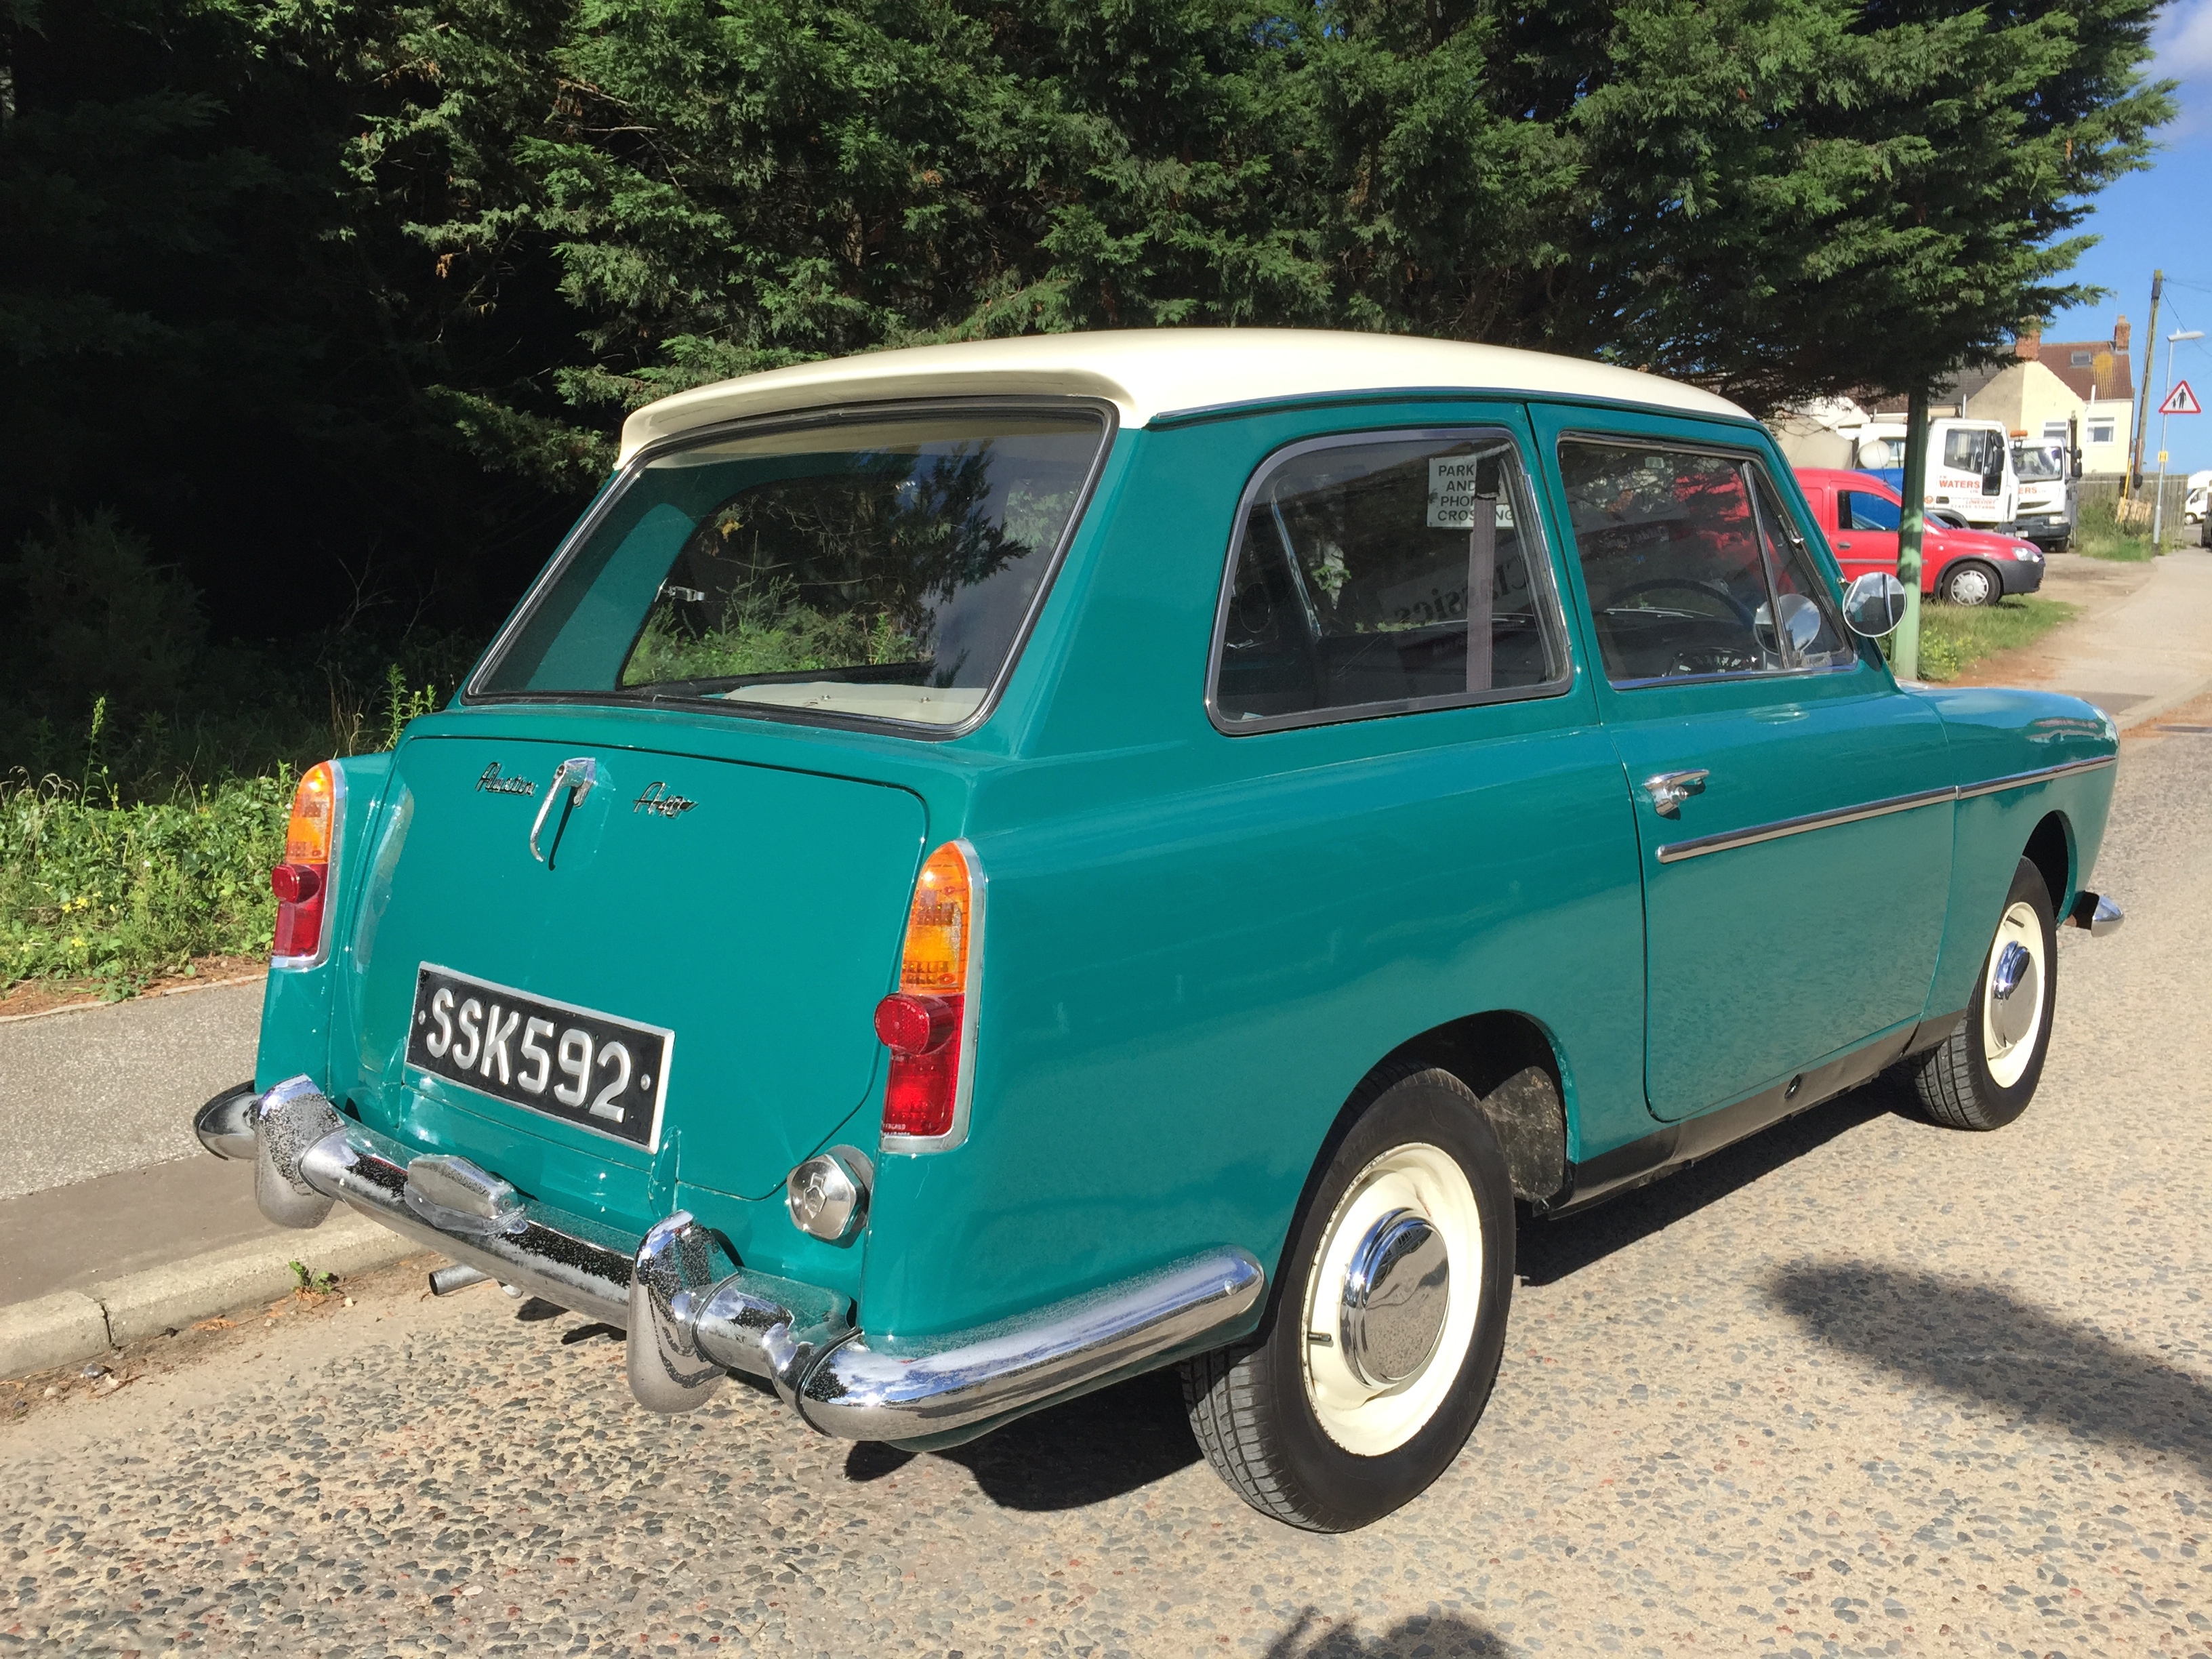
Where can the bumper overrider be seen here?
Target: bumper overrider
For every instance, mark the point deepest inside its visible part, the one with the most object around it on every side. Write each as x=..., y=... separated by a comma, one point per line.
x=693, y=1315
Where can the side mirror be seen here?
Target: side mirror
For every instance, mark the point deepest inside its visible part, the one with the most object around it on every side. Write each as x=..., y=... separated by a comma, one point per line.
x=1874, y=604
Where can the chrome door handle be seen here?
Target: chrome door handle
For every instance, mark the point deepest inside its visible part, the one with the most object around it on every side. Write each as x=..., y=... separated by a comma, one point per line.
x=577, y=776
x=1668, y=790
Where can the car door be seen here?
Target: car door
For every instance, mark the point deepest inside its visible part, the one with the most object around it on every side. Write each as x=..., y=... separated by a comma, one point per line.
x=1792, y=805
x=1865, y=533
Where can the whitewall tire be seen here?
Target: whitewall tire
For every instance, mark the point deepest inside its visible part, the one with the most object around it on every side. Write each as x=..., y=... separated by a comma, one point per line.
x=1387, y=1319
x=1985, y=1073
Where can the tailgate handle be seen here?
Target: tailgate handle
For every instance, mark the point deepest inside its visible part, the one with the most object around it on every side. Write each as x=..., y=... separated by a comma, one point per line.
x=577, y=776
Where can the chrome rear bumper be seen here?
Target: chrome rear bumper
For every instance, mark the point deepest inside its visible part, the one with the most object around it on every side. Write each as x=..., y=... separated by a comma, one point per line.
x=2096, y=913
x=693, y=1314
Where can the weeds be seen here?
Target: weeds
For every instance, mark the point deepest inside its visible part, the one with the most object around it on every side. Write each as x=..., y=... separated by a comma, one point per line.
x=93, y=889
x=314, y=1283
x=2100, y=533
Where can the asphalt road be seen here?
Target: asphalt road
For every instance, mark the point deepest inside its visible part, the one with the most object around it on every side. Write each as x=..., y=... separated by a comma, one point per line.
x=1861, y=1386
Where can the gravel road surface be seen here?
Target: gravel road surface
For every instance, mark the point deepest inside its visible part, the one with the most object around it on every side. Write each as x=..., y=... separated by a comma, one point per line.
x=1862, y=1386
x=88, y=1093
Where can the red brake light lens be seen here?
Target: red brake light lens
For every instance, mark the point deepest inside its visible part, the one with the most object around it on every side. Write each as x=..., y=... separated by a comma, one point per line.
x=916, y=1024
x=921, y=1023
x=301, y=882
x=294, y=884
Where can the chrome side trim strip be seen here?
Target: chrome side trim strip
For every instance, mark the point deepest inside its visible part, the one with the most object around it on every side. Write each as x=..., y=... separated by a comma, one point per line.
x=1676, y=852
x=2067, y=768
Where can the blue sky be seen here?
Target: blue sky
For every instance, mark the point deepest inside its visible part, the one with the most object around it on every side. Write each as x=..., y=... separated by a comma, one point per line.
x=2163, y=219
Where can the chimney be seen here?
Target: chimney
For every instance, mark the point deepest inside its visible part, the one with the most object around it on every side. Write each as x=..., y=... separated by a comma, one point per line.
x=2029, y=347
x=2120, y=336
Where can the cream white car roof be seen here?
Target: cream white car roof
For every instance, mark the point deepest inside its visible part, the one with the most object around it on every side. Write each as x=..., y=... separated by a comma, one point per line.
x=1148, y=372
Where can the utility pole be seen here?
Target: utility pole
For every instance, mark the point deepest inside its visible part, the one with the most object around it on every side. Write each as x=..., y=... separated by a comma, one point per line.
x=2142, y=398
x=1905, y=650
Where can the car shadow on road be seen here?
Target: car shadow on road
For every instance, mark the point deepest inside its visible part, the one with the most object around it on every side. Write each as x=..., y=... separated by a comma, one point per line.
x=1549, y=1251
x=1104, y=1446
x=1446, y=1637
x=1975, y=1339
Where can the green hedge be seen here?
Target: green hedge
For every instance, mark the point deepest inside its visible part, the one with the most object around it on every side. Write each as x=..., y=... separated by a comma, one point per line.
x=91, y=887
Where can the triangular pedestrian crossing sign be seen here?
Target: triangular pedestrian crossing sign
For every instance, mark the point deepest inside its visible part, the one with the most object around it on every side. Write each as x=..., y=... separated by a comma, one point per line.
x=2181, y=401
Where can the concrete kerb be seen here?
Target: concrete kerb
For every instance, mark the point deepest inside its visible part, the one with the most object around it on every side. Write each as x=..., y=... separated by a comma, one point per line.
x=2143, y=712
x=75, y=1325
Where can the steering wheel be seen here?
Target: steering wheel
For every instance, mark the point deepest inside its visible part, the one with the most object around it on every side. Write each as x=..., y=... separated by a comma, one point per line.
x=1684, y=585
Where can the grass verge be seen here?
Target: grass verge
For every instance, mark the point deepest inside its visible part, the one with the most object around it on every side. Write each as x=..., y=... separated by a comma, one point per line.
x=92, y=889
x=2101, y=534
x=1953, y=637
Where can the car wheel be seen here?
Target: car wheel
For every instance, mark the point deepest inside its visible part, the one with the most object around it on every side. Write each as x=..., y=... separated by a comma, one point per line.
x=1983, y=1074
x=1972, y=583
x=1387, y=1323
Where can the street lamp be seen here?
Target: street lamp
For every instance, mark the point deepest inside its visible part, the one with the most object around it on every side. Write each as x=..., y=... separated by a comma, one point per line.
x=2158, y=507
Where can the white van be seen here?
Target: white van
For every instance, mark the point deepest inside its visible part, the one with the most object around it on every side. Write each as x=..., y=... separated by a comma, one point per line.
x=1970, y=467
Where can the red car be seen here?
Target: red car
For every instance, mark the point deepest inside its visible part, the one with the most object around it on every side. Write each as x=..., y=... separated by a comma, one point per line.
x=1858, y=513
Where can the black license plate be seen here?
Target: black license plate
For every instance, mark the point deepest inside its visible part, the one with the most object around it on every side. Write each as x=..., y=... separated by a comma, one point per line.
x=602, y=1073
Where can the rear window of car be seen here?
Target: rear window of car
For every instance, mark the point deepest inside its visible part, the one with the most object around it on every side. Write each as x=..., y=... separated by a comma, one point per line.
x=882, y=568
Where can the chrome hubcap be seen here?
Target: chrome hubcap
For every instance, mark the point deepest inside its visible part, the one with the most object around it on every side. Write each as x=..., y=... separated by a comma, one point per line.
x=1397, y=1290
x=2013, y=985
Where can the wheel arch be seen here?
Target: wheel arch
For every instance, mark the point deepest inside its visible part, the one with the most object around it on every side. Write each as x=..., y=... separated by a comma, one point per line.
x=1511, y=1064
x=1950, y=565
x=2051, y=850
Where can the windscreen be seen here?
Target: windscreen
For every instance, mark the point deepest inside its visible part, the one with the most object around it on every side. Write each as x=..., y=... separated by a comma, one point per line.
x=881, y=567
x=2038, y=461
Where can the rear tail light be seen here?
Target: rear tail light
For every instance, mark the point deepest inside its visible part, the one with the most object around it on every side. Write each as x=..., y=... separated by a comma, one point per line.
x=926, y=1023
x=301, y=883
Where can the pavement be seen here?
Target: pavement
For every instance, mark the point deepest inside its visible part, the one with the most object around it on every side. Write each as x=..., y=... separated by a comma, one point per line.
x=91, y=1091
x=1858, y=1386
x=2142, y=645
x=114, y=1222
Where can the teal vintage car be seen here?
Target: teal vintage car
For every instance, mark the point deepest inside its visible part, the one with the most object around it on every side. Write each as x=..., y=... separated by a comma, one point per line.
x=980, y=871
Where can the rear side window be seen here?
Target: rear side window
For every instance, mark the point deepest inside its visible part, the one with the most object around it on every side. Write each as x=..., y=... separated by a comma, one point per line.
x=881, y=567
x=1685, y=575
x=1380, y=574
x=1862, y=510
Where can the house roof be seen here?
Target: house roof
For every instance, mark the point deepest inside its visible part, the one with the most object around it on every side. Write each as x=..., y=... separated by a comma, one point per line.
x=1149, y=372
x=2113, y=380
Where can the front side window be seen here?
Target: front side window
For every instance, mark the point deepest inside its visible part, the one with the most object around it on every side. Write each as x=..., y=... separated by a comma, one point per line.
x=1967, y=450
x=1688, y=558
x=881, y=567
x=1375, y=574
x=1862, y=509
